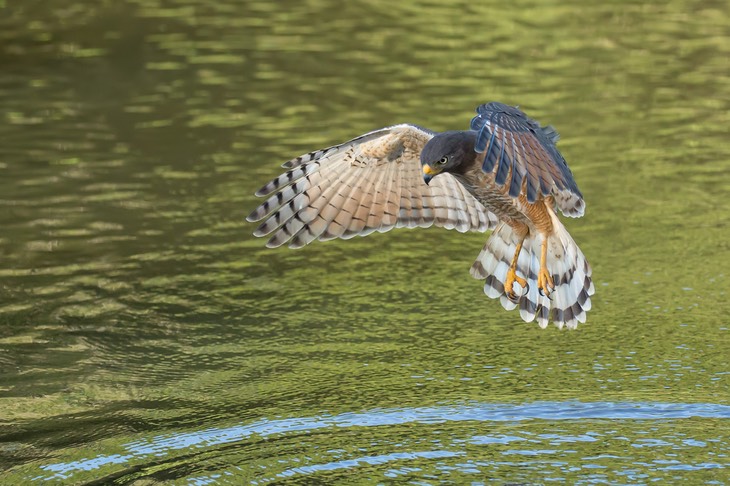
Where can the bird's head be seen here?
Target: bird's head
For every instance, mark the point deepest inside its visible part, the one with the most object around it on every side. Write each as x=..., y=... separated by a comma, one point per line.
x=447, y=152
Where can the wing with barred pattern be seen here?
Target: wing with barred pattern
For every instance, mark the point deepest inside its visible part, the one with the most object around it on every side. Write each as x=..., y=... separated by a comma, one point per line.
x=371, y=183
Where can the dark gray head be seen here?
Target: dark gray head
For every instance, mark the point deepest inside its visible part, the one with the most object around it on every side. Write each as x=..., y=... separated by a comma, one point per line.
x=448, y=152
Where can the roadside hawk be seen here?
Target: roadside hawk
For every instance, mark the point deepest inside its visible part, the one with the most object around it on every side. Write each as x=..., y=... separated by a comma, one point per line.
x=504, y=174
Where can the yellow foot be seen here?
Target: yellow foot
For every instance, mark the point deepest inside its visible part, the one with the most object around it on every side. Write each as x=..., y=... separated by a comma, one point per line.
x=510, y=281
x=545, y=284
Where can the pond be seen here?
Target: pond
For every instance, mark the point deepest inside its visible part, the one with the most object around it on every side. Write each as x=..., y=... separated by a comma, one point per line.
x=146, y=336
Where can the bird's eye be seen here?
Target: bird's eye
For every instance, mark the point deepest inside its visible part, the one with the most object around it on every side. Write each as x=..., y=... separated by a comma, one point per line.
x=443, y=160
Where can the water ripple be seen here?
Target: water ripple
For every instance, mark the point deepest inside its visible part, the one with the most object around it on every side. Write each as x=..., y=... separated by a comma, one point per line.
x=161, y=445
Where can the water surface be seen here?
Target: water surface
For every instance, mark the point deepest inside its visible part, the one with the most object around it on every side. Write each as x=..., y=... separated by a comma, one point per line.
x=145, y=335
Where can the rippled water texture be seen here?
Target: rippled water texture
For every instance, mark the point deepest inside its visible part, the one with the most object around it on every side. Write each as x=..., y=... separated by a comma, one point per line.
x=146, y=336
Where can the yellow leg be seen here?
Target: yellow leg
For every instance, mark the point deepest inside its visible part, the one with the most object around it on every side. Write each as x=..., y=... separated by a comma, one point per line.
x=512, y=274
x=545, y=282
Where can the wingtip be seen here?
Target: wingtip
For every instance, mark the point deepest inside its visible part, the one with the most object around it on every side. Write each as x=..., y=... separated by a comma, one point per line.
x=262, y=230
x=258, y=214
x=274, y=243
x=264, y=190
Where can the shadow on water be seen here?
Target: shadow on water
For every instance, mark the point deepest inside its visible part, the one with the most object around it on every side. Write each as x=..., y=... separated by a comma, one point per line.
x=595, y=420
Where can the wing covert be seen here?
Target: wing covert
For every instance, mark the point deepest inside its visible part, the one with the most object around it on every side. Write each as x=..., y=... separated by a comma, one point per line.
x=523, y=156
x=371, y=183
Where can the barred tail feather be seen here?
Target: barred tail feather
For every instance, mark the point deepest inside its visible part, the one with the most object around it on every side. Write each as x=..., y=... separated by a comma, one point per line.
x=568, y=303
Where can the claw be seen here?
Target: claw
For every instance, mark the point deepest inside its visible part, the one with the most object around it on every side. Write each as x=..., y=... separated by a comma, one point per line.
x=545, y=283
x=509, y=282
x=512, y=276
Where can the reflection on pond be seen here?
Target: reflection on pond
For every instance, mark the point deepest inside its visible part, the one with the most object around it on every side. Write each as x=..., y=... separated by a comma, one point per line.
x=523, y=443
x=146, y=335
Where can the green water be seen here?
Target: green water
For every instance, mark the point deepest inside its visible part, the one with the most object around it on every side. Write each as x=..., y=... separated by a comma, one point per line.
x=146, y=336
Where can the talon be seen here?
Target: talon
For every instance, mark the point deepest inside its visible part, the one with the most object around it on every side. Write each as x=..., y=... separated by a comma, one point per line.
x=512, y=277
x=544, y=279
x=509, y=282
x=545, y=283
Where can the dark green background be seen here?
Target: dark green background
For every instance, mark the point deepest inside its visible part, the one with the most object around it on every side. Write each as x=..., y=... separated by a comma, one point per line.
x=136, y=307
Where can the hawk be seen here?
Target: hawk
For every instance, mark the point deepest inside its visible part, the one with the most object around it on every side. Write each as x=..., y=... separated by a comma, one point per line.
x=504, y=174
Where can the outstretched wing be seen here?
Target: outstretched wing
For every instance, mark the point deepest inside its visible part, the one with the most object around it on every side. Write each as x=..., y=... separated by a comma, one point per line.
x=371, y=183
x=522, y=154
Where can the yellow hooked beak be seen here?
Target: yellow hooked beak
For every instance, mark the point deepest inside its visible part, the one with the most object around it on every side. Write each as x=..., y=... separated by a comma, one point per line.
x=429, y=173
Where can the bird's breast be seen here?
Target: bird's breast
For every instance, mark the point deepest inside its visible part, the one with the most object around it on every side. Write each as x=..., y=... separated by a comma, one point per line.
x=493, y=197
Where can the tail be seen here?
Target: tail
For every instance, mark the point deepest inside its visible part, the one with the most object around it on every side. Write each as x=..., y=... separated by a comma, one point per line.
x=567, y=304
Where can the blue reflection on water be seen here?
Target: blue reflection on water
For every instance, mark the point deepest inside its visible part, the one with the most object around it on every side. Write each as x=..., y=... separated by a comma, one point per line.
x=381, y=459
x=481, y=412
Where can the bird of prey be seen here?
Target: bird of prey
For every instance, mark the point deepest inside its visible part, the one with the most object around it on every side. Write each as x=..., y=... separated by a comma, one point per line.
x=504, y=174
